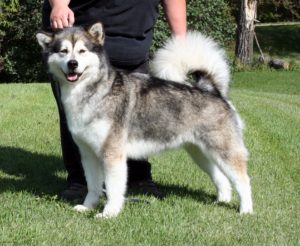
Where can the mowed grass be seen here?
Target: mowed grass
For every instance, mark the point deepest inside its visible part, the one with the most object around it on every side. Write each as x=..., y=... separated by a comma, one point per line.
x=280, y=41
x=32, y=177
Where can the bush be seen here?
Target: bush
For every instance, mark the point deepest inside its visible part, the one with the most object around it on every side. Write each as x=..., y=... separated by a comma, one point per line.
x=211, y=17
x=278, y=10
x=19, y=50
x=20, y=56
x=271, y=10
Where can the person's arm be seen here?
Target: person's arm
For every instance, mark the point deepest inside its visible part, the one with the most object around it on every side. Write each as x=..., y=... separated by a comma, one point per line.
x=175, y=11
x=61, y=15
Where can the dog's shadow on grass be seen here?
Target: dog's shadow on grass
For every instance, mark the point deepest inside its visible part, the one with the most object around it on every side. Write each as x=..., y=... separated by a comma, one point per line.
x=31, y=172
x=180, y=192
x=37, y=174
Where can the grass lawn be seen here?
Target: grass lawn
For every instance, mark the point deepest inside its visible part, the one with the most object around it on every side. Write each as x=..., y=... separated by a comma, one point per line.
x=32, y=176
x=277, y=42
x=280, y=42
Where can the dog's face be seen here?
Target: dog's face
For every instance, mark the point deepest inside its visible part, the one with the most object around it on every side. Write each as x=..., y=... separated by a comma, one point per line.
x=72, y=53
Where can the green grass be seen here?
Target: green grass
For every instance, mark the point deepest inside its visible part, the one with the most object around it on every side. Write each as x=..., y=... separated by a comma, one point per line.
x=280, y=42
x=32, y=176
x=277, y=42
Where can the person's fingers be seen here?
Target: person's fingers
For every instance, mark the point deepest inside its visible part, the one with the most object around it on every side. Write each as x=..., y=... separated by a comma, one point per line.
x=57, y=24
x=65, y=22
x=61, y=18
x=62, y=23
x=71, y=18
x=53, y=25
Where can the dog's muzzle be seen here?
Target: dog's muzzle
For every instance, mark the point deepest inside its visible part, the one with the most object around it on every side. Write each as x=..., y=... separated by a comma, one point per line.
x=72, y=76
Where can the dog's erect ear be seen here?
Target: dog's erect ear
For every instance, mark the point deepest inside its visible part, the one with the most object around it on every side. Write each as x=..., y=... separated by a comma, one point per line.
x=96, y=31
x=44, y=39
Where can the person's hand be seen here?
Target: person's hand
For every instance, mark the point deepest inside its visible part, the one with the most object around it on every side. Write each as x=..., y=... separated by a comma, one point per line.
x=61, y=16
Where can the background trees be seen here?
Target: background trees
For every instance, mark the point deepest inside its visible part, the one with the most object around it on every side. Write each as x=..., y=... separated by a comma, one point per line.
x=271, y=10
x=252, y=11
x=279, y=10
x=246, y=31
x=20, y=20
x=20, y=58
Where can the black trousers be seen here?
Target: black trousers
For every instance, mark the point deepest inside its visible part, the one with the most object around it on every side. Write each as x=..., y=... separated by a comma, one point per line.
x=138, y=170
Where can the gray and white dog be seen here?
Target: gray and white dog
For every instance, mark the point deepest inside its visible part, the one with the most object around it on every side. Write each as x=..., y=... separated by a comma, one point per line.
x=113, y=115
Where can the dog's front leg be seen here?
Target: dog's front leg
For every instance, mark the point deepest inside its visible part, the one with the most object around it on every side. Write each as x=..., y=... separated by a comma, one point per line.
x=94, y=174
x=115, y=168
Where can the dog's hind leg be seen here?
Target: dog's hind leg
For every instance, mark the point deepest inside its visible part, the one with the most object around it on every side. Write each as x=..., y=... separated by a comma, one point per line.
x=220, y=181
x=235, y=168
x=94, y=176
x=231, y=156
x=115, y=168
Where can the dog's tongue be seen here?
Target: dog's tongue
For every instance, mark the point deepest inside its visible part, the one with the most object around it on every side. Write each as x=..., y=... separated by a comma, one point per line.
x=72, y=76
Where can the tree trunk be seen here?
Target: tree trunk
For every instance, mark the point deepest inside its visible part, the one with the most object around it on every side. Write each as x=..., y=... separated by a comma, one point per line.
x=245, y=32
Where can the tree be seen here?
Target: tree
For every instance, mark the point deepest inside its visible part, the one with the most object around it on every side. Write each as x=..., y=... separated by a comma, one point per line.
x=246, y=31
x=21, y=19
x=279, y=10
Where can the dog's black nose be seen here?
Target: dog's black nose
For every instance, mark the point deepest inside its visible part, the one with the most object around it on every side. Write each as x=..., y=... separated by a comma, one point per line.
x=72, y=64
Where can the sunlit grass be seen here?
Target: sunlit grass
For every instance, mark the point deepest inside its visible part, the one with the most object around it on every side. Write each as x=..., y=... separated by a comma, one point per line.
x=32, y=177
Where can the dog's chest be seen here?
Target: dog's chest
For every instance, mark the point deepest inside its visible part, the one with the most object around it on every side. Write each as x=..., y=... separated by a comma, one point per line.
x=85, y=123
x=92, y=133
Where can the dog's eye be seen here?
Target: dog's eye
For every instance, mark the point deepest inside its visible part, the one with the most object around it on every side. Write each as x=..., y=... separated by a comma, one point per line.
x=82, y=51
x=64, y=51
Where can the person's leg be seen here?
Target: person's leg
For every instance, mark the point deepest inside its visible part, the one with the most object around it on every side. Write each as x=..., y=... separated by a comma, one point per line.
x=139, y=171
x=76, y=183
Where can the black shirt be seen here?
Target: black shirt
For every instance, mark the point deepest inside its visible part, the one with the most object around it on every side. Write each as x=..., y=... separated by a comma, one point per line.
x=128, y=25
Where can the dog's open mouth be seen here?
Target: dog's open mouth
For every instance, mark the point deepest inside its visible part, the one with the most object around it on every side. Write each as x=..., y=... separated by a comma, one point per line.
x=72, y=77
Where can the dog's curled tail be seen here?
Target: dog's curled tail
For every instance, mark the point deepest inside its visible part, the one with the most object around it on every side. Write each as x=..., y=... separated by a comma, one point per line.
x=198, y=55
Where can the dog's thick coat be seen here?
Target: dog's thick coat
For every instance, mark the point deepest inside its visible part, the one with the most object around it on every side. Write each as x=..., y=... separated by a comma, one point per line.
x=114, y=115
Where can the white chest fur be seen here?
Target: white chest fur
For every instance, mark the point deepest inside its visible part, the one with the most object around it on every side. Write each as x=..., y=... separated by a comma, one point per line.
x=84, y=124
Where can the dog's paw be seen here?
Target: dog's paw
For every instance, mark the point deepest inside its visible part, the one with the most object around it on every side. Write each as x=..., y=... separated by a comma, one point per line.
x=109, y=212
x=246, y=206
x=224, y=198
x=81, y=209
x=106, y=215
x=101, y=216
x=246, y=210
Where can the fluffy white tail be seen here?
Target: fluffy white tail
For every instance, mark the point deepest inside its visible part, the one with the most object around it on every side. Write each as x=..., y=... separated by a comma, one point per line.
x=195, y=54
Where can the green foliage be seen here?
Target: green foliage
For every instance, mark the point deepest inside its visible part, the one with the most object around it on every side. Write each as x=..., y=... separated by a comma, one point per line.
x=276, y=42
x=278, y=10
x=281, y=42
x=22, y=18
x=211, y=17
x=271, y=10
x=19, y=51
x=8, y=7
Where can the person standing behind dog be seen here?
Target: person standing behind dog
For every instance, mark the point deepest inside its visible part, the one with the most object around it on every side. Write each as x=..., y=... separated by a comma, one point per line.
x=128, y=26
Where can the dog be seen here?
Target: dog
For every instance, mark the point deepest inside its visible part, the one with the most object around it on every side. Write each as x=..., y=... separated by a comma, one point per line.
x=114, y=115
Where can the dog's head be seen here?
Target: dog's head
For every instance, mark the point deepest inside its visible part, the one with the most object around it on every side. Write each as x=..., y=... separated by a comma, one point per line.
x=73, y=52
